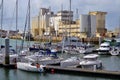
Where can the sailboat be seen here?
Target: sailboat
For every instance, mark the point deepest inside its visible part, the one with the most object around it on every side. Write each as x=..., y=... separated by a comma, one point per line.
x=1, y=46
x=30, y=66
x=12, y=53
x=71, y=47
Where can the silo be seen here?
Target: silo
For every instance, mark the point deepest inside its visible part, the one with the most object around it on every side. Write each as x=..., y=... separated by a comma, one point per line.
x=93, y=25
x=83, y=23
x=46, y=18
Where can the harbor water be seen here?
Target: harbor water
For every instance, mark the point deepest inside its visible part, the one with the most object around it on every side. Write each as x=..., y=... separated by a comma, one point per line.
x=111, y=63
x=14, y=74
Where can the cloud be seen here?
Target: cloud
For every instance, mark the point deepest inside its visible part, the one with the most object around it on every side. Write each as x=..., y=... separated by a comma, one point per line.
x=83, y=5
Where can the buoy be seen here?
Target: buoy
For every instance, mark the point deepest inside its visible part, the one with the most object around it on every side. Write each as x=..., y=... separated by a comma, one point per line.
x=114, y=52
x=52, y=71
x=94, y=67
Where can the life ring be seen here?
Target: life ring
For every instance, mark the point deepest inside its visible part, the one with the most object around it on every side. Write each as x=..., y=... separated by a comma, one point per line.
x=114, y=51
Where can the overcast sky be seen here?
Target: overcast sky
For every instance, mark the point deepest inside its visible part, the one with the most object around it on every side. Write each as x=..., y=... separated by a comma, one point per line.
x=84, y=6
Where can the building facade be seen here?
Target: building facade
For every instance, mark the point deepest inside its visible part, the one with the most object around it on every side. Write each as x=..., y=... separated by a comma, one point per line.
x=41, y=23
x=88, y=25
x=62, y=24
x=100, y=22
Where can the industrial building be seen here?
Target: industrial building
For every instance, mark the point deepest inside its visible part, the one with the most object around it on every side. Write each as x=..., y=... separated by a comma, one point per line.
x=62, y=24
x=41, y=23
x=88, y=25
x=100, y=22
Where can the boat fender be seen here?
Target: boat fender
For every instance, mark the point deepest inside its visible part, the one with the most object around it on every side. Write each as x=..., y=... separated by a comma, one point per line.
x=37, y=65
x=52, y=71
x=41, y=70
x=14, y=60
x=16, y=66
x=100, y=65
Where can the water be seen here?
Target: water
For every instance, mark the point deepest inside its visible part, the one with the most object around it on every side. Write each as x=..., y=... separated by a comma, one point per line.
x=12, y=42
x=14, y=74
x=111, y=63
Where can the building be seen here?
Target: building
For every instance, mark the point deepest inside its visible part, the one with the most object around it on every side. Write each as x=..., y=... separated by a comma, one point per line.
x=62, y=24
x=41, y=23
x=100, y=22
x=72, y=29
x=82, y=28
x=62, y=17
x=88, y=25
x=117, y=31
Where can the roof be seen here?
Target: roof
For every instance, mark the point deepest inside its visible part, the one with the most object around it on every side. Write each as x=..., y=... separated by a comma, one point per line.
x=65, y=11
x=105, y=44
x=91, y=56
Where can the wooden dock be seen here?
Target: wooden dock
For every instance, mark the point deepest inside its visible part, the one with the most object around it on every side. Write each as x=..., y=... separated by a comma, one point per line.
x=86, y=72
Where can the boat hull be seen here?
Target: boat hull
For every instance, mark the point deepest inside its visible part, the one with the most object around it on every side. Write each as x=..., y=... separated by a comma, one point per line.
x=29, y=67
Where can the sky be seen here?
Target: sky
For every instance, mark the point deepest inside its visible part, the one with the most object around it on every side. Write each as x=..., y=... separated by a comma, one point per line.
x=83, y=6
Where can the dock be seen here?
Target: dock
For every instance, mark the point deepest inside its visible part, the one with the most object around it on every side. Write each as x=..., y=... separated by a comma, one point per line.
x=9, y=66
x=85, y=72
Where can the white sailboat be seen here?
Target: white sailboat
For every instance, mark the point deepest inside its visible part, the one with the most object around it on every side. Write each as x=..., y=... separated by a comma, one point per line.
x=70, y=62
x=12, y=53
x=87, y=48
x=28, y=66
x=43, y=58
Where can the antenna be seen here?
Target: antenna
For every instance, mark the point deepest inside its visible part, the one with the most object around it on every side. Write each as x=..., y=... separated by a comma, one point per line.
x=76, y=14
x=61, y=7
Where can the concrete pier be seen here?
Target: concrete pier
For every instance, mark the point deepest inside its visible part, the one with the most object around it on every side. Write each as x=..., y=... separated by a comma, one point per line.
x=7, y=51
x=6, y=61
x=86, y=72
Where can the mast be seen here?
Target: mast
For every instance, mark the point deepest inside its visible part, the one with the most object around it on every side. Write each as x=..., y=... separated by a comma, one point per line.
x=2, y=6
x=29, y=35
x=76, y=25
x=69, y=36
x=2, y=14
x=119, y=28
x=70, y=19
x=26, y=21
x=16, y=14
x=50, y=33
x=16, y=21
x=38, y=27
x=38, y=24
